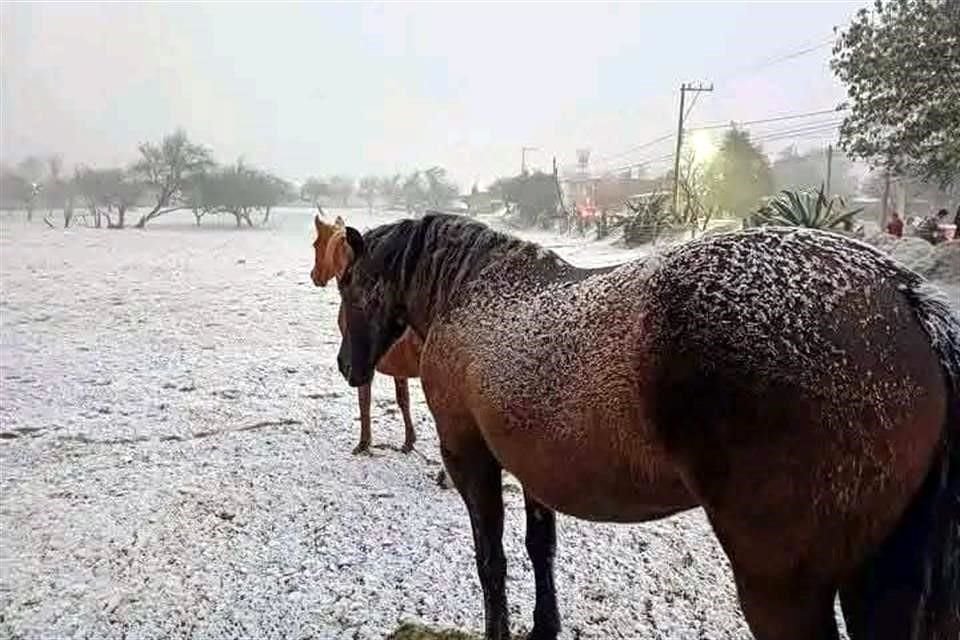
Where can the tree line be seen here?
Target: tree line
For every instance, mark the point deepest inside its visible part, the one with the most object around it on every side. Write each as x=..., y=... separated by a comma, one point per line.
x=413, y=192
x=174, y=174
x=177, y=174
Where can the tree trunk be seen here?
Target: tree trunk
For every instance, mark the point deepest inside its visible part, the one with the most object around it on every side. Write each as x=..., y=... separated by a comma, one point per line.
x=266, y=216
x=29, y=212
x=198, y=215
x=147, y=217
x=97, y=217
x=157, y=211
x=602, y=230
x=121, y=216
x=885, y=204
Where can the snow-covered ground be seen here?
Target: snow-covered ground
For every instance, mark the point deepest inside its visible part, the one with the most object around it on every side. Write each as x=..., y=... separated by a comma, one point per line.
x=175, y=462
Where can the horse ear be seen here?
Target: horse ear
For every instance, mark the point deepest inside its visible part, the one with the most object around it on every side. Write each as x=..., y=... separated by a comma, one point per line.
x=339, y=222
x=355, y=240
x=316, y=223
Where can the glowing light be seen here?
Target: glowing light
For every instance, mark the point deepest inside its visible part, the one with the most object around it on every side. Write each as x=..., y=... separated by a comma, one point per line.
x=703, y=147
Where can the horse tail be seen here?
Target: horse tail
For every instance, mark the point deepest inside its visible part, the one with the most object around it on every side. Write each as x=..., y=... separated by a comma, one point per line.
x=935, y=515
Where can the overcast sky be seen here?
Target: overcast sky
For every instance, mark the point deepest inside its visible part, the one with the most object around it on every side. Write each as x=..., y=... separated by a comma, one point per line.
x=306, y=89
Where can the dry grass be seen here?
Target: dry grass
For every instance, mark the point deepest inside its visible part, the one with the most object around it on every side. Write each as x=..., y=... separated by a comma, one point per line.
x=410, y=631
x=413, y=631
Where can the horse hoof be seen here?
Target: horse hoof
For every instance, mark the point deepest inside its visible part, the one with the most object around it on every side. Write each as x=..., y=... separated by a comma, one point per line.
x=363, y=447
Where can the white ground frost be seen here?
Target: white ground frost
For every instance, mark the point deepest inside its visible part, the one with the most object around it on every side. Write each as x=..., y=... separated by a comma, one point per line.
x=175, y=462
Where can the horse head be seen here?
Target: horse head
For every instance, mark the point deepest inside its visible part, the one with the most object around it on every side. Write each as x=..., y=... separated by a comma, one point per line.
x=371, y=314
x=330, y=251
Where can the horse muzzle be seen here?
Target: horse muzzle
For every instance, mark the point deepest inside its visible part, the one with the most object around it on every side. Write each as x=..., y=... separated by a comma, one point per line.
x=353, y=377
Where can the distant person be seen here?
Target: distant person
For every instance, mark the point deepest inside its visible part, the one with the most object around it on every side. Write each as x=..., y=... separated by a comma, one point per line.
x=941, y=222
x=956, y=224
x=895, y=226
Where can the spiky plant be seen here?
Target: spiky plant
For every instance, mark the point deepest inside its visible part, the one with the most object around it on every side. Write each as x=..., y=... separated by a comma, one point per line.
x=647, y=218
x=806, y=208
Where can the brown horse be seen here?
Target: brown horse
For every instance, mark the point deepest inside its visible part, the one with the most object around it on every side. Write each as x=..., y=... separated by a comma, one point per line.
x=331, y=256
x=798, y=385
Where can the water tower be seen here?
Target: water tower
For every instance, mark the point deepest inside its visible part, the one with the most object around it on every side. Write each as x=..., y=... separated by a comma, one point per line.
x=583, y=160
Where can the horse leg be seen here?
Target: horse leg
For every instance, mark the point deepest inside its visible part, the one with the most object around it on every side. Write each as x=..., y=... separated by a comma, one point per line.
x=784, y=582
x=403, y=399
x=363, y=395
x=476, y=475
x=541, y=545
x=787, y=610
x=783, y=590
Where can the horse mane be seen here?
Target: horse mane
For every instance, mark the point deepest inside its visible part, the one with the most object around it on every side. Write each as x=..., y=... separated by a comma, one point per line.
x=433, y=257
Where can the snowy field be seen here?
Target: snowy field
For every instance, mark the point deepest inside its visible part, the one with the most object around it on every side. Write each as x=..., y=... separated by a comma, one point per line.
x=175, y=462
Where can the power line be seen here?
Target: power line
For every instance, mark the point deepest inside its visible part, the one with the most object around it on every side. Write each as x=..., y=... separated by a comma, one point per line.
x=693, y=103
x=791, y=116
x=806, y=131
x=762, y=64
x=606, y=159
x=822, y=134
x=639, y=164
x=716, y=126
x=786, y=133
x=790, y=55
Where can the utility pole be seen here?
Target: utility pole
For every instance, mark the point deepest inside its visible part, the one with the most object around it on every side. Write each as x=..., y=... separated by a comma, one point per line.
x=523, y=158
x=885, y=205
x=684, y=88
x=829, y=167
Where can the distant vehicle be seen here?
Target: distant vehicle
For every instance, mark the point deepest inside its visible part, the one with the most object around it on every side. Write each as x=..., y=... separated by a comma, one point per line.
x=586, y=211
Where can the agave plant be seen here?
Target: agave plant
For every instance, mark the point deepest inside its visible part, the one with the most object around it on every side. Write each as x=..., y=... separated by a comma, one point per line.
x=647, y=218
x=806, y=208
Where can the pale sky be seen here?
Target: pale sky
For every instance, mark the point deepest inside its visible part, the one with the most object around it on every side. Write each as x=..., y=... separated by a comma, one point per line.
x=316, y=89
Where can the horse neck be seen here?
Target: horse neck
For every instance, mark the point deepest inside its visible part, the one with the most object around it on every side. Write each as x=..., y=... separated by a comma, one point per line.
x=438, y=287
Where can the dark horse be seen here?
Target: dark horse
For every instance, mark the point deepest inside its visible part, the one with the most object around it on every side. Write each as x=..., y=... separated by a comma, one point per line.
x=799, y=386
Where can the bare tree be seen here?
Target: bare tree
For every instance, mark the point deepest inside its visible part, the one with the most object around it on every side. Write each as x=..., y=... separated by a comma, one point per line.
x=368, y=189
x=440, y=191
x=341, y=188
x=108, y=194
x=391, y=190
x=694, y=213
x=31, y=170
x=56, y=190
x=18, y=191
x=238, y=190
x=166, y=168
x=314, y=189
x=414, y=192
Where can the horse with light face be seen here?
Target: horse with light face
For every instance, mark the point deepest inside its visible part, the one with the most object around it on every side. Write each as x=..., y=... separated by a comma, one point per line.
x=799, y=386
x=401, y=361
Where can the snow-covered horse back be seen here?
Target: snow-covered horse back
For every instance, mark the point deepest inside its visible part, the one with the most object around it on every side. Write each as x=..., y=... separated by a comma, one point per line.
x=799, y=386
